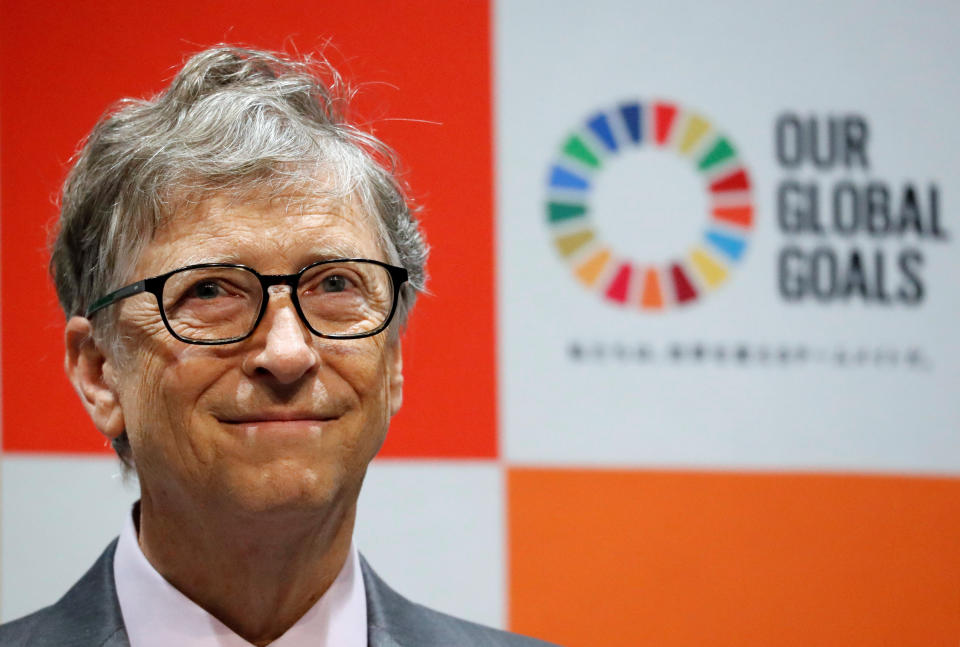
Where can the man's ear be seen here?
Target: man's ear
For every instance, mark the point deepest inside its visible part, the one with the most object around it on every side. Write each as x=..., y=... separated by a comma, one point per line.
x=396, y=375
x=94, y=376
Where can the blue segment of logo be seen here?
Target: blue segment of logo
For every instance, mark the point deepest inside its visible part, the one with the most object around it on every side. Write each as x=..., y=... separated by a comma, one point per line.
x=731, y=246
x=631, y=113
x=561, y=178
x=601, y=128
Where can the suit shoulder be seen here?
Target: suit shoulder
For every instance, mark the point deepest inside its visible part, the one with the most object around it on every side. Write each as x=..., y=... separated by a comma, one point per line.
x=449, y=630
x=17, y=632
x=396, y=621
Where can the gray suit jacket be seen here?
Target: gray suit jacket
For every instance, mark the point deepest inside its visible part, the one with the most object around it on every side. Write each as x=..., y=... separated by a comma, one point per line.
x=89, y=616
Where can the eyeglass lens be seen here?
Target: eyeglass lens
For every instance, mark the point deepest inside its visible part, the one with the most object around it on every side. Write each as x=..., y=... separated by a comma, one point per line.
x=218, y=303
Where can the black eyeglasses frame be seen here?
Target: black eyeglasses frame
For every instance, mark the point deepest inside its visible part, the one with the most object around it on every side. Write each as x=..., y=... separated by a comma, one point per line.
x=154, y=285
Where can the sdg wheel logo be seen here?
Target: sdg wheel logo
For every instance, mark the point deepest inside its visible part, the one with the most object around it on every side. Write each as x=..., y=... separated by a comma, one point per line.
x=689, y=272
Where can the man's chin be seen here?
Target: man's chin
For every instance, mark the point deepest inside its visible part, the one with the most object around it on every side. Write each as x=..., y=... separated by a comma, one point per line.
x=283, y=486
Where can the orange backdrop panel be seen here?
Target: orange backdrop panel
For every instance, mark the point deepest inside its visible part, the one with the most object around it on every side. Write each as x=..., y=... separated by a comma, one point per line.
x=418, y=61
x=653, y=558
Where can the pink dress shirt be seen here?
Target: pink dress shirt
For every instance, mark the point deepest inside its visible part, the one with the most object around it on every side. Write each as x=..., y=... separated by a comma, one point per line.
x=158, y=615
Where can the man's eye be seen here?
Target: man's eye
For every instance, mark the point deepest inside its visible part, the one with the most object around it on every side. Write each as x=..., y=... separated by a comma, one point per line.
x=206, y=290
x=334, y=283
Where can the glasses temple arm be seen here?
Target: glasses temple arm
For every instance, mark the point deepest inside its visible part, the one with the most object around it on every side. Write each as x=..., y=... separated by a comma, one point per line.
x=118, y=295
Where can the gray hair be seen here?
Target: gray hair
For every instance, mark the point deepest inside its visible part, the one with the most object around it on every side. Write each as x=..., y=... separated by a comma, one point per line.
x=235, y=121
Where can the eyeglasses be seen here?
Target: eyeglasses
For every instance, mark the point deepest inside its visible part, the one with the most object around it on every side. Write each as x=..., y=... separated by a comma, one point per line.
x=222, y=303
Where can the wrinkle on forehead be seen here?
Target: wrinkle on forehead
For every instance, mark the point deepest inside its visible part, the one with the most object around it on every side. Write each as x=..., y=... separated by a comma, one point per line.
x=223, y=207
x=223, y=229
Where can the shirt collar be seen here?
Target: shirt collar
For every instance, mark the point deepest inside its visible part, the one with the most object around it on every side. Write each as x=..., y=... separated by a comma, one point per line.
x=158, y=615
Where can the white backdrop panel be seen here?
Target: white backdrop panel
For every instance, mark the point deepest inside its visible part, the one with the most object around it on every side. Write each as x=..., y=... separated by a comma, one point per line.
x=58, y=514
x=742, y=64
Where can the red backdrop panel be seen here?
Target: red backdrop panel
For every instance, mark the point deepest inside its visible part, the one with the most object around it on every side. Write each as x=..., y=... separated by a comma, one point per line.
x=424, y=72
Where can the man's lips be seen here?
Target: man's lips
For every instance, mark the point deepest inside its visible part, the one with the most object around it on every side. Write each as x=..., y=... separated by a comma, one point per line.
x=278, y=421
x=276, y=417
x=277, y=426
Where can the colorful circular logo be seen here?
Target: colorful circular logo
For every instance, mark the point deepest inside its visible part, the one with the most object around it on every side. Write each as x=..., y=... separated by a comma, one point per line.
x=689, y=273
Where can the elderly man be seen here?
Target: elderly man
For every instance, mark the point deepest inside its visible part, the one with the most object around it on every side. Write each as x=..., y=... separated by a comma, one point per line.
x=236, y=262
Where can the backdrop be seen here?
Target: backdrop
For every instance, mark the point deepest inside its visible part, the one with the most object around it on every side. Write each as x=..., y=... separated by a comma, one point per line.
x=686, y=373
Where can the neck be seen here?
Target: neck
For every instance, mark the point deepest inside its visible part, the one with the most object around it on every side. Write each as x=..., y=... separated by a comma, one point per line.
x=258, y=573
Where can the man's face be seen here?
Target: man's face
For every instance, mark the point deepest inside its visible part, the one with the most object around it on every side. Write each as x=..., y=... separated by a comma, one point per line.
x=281, y=419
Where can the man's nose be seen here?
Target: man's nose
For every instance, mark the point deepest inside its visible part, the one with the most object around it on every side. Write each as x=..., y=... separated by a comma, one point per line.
x=288, y=352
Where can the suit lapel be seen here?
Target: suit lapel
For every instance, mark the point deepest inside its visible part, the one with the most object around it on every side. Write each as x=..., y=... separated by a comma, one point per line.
x=89, y=613
x=117, y=639
x=379, y=637
x=385, y=610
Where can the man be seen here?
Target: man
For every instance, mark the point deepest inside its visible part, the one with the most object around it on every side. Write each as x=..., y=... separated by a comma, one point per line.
x=236, y=262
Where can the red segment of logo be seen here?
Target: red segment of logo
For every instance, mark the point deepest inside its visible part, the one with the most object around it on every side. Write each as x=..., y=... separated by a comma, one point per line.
x=664, y=115
x=735, y=181
x=617, y=290
x=740, y=216
x=683, y=287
